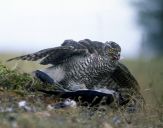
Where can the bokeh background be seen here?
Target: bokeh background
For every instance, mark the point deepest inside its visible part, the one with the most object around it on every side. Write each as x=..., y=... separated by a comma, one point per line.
x=29, y=26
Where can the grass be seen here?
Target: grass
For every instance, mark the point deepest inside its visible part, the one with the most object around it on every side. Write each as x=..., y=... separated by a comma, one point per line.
x=16, y=85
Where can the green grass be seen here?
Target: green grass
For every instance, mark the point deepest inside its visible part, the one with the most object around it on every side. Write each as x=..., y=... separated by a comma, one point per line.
x=149, y=74
x=16, y=84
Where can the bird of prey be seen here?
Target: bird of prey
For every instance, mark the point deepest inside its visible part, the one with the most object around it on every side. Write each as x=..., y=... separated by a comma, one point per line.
x=76, y=65
x=84, y=65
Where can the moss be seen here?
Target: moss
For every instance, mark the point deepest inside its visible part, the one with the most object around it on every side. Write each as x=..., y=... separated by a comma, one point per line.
x=12, y=79
x=19, y=82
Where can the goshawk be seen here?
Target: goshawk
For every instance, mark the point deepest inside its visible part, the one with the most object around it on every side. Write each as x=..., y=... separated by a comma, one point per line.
x=84, y=65
x=80, y=64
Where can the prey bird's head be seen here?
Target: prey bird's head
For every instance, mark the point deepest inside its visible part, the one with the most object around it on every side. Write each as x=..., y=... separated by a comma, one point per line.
x=112, y=50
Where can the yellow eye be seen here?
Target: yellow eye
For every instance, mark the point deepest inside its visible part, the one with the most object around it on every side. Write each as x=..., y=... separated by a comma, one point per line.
x=111, y=50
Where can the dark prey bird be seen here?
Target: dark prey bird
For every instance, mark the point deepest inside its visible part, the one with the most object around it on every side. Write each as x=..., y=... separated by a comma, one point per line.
x=90, y=97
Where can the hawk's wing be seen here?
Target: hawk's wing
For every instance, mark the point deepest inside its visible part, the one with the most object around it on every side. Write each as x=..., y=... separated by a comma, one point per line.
x=129, y=87
x=70, y=48
x=95, y=47
x=34, y=56
x=56, y=55
x=123, y=77
x=67, y=50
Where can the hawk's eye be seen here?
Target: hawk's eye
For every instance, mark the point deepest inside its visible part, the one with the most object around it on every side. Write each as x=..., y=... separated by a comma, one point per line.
x=111, y=50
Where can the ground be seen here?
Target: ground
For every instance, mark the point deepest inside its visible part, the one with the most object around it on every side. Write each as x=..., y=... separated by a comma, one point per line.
x=16, y=85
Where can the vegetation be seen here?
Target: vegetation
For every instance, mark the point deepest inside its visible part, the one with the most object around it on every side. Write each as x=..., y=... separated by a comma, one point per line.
x=16, y=86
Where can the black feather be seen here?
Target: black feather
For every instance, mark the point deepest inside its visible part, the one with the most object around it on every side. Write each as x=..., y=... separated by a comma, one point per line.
x=91, y=97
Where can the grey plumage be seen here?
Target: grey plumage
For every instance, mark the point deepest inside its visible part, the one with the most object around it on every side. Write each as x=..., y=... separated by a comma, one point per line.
x=84, y=64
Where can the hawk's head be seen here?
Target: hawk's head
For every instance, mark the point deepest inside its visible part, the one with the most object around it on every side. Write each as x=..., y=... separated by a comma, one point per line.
x=112, y=50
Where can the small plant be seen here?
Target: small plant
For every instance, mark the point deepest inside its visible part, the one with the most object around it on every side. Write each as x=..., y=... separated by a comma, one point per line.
x=13, y=80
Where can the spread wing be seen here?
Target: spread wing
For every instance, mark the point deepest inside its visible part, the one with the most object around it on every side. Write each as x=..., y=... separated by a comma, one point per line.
x=123, y=77
x=67, y=50
x=56, y=55
x=93, y=47
x=71, y=48
x=129, y=87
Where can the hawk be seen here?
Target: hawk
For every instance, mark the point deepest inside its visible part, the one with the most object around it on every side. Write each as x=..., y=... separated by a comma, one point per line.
x=84, y=65
x=76, y=65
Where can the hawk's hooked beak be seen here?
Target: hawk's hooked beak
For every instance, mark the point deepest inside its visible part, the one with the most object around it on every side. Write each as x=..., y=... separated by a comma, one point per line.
x=116, y=57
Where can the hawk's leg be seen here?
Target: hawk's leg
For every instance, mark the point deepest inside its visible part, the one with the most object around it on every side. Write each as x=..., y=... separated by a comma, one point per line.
x=44, y=77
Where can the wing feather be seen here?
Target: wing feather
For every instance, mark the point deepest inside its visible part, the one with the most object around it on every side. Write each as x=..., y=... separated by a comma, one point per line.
x=56, y=55
x=34, y=56
x=66, y=51
x=60, y=56
x=123, y=77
